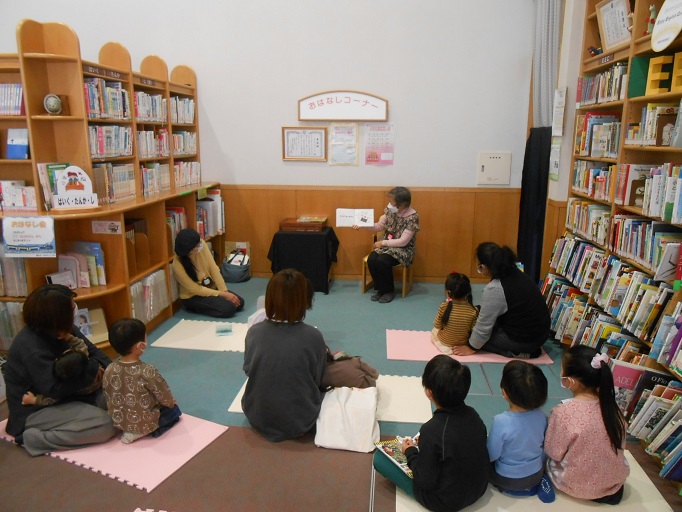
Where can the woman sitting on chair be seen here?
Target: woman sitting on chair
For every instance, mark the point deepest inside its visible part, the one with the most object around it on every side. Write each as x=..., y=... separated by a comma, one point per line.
x=400, y=224
x=202, y=287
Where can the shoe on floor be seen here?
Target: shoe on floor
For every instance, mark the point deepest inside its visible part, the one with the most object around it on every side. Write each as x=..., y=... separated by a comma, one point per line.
x=386, y=298
x=546, y=490
x=521, y=355
x=376, y=296
x=129, y=437
x=531, y=491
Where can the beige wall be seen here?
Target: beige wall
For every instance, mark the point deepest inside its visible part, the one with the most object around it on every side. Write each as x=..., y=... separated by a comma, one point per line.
x=453, y=222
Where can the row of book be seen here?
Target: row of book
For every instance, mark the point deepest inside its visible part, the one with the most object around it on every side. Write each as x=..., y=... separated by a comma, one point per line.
x=110, y=141
x=176, y=218
x=630, y=181
x=642, y=240
x=11, y=322
x=186, y=173
x=605, y=140
x=12, y=100
x=610, y=85
x=113, y=183
x=585, y=130
x=657, y=126
x=81, y=267
x=155, y=178
x=153, y=143
x=13, y=282
x=15, y=195
x=663, y=193
x=591, y=220
x=182, y=110
x=149, y=296
x=211, y=214
x=657, y=420
x=150, y=107
x=105, y=99
x=593, y=179
x=184, y=143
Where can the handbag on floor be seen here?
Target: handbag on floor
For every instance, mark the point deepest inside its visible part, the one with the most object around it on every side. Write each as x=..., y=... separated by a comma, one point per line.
x=236, y=267
x=348, y=420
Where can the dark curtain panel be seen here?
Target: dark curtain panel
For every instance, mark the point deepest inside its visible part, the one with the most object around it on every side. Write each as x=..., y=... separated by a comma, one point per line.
x=534, y=200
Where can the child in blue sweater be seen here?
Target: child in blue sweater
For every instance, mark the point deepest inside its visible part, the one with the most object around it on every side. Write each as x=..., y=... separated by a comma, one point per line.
x=517, y=436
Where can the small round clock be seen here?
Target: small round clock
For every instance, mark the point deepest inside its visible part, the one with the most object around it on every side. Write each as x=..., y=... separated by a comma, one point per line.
x=52, y=104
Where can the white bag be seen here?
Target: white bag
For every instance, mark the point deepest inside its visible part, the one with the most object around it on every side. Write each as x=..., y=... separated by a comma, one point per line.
x=348, y=420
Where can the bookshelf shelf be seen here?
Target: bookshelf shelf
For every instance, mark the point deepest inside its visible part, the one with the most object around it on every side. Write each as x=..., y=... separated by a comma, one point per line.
x=48, y=61
x=623, y=285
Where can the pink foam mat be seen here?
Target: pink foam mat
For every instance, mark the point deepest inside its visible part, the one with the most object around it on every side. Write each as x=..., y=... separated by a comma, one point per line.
x=417, y=346
x=148, y=461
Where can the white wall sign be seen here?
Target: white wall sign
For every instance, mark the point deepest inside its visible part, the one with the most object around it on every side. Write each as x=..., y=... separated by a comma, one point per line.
x=29, y=237
x=668, y=25
x=342, y=106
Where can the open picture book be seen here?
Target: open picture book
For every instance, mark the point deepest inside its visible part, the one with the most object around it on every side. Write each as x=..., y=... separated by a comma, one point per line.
x=392, y=448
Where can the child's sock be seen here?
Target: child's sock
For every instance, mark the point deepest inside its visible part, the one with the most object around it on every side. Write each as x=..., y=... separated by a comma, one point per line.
x=531, y=491
x=546, y=490
x=129, y=437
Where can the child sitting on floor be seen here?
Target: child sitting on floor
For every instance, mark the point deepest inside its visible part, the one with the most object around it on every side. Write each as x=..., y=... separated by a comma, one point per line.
x=450, y=466
x=585, y=438
x=456, y=316
x=516, y=439
x=69, y=366
x=138, y=399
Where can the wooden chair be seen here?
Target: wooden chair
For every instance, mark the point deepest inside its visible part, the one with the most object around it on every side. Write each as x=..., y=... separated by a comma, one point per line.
x=407, y=273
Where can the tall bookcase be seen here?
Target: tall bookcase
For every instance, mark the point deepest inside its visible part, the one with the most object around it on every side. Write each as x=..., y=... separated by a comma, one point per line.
x=49, y=61
x=613, y=84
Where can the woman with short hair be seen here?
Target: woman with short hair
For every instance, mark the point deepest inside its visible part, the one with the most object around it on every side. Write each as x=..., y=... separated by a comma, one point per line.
x=284, y=360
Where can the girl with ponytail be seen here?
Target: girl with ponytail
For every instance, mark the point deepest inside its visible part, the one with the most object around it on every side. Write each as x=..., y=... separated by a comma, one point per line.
x=456, y=316
x=585, y=437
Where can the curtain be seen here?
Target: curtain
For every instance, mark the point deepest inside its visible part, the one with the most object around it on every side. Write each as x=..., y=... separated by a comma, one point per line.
x=548, y=14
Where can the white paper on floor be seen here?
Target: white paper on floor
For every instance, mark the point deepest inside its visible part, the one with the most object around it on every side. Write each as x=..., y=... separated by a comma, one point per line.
x=201, y=335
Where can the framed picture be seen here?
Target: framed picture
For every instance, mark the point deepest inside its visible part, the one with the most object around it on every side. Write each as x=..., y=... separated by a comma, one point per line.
x=304, y=143
x=613, y=19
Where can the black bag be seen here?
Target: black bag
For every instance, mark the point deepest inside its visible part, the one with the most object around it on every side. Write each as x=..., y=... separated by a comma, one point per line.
x=236, y=267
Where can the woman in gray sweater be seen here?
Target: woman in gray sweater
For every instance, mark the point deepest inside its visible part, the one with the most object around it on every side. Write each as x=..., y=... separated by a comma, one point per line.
x=285, y=360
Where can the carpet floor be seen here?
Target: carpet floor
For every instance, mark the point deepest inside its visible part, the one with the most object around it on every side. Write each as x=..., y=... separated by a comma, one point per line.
x=239, y=470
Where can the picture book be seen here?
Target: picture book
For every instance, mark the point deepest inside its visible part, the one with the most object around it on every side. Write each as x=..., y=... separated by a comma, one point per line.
x=82, y=321
x=392, y=448
x=93, y=249
x=347, y=217
x=625, y=378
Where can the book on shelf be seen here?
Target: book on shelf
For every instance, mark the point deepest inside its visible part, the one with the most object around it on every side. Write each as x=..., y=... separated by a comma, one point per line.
x=666, y=431
x=625, y=378
x=17, y=144
x=82, y=321
x=64, y=277
x=651, y=379
x=672, y=468
x=93, y=250
x=629, y=178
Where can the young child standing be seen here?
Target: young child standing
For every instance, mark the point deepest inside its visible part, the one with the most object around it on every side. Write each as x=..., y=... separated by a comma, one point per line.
x=516, y=439
x=456, y=316
x=585, y=438
x=450, y=465
x=138, y=399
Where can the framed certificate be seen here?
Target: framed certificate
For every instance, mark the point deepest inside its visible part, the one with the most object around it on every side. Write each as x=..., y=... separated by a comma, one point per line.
x=304, y=143
x=613, y=19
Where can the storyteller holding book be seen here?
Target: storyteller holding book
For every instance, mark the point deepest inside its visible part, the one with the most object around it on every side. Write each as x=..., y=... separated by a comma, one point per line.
x=400, y=222
x=450, y=465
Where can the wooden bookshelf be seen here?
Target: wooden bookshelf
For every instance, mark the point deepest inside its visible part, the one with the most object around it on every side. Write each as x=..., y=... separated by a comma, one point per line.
x=628, y=106
x=48, y=61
